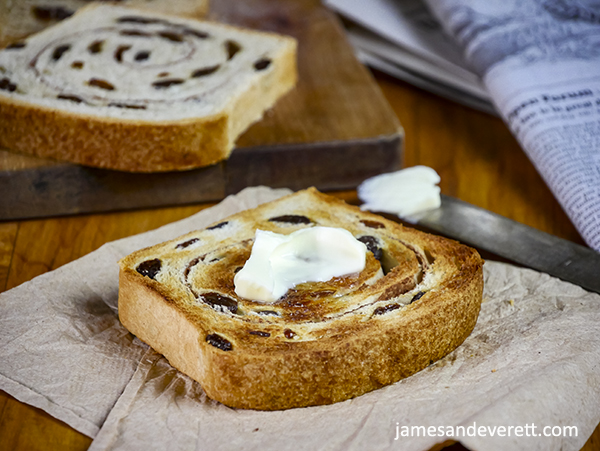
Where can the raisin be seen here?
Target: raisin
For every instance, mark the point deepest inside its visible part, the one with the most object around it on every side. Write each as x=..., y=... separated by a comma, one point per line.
x=190, y=265
x=51, y=12
x=386, y=309
x=219, y=342
x=198, y=34
x=372, y=224
x=232, y=49
x=96, y=47
x=119, y=52
x=291, y=219
x=149, y=268
x=289, y=334
x=267, y=312
x=69, y=97
x=77, y=64
x=135, y=33
x=218, y=226
x=372, y=245
x=170, y=36
x=60, y=51
x=187, y=243
x=127, y=105
x=137, y=19
x=259, y=333
x=163, y=84
x=205, y=71
x=99, y=83
x=7, y=85
x=417, y=296
x=262, y=64
x=219, y=302
x=16, y=45
x=142, y=56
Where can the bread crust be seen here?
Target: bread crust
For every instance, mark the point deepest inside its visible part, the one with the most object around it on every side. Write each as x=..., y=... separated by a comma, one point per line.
x=349, y=353
x=144, y=144
x=125, y=145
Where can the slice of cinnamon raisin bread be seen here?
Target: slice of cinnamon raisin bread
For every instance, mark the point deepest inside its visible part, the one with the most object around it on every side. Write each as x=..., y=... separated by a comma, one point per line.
x=126, y=89
x=417, y=299
x=20, y=18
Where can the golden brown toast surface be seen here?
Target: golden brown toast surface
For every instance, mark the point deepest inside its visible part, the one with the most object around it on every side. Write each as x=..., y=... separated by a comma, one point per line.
x=321, y=342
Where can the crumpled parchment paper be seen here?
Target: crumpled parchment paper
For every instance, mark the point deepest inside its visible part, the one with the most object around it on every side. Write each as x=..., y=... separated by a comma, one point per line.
x=532, y=363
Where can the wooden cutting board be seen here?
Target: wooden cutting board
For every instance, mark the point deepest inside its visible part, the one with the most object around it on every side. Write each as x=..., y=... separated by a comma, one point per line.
x=332, y=131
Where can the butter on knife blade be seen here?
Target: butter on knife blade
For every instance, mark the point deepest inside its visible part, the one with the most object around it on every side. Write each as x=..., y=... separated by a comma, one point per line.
x=402, y=193
x=514, y=241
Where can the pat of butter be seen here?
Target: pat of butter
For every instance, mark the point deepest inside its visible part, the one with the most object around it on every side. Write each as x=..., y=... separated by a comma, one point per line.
x=404, y=193
x=280, y=262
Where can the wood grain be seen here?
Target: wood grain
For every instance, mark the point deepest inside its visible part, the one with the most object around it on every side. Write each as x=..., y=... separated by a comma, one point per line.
x=8, y=233
x=335, y=98
x=23, y=427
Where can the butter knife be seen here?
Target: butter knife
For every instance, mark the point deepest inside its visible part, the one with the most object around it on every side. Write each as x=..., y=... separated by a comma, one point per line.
x=514, y=241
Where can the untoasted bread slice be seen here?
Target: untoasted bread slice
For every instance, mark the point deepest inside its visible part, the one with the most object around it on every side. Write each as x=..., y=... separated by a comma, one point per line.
x=132, y=90
x=321, y=342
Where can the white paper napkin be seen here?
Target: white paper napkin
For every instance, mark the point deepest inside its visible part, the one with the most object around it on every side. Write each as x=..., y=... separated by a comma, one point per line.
x=531, y=362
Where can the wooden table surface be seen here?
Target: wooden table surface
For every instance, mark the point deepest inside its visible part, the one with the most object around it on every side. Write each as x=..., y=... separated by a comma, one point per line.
x=474, y=153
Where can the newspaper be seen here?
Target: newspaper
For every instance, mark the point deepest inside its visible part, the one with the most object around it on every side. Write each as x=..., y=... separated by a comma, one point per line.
x=403, y=39
x=539, y=60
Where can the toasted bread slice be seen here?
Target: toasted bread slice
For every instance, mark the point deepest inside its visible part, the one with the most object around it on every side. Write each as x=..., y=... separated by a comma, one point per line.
x=322, y=342
x=132, y=90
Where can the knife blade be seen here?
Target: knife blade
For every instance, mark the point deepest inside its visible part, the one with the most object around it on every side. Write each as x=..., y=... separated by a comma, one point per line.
x=514, y=241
